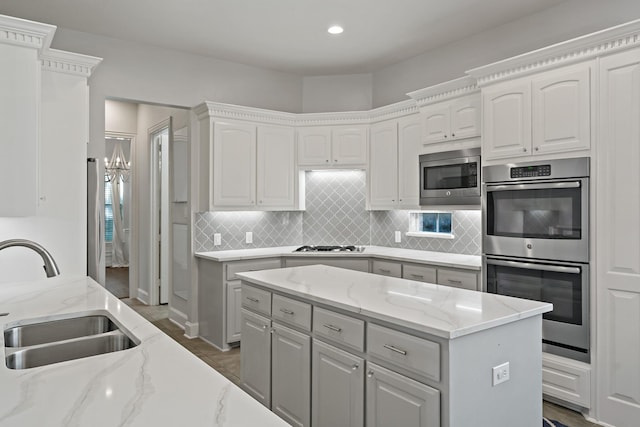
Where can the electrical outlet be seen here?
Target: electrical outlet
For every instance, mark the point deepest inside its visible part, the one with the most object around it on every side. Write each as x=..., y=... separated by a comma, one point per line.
x=217, y=239
x=501, y=373
x=248, y=237
x=398, y=237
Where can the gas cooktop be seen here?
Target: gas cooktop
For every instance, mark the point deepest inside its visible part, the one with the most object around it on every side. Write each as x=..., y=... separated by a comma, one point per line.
x=341, y=248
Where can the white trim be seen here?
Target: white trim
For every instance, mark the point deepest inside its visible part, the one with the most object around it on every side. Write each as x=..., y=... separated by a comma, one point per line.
x=69, y=63
x=430, y=234
x=191, y=330
x=143, y=296
x=444, y=91
x=21, y=32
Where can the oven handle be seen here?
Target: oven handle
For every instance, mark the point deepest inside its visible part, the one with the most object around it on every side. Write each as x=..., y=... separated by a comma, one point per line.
x=531, y=266
x=537, y=186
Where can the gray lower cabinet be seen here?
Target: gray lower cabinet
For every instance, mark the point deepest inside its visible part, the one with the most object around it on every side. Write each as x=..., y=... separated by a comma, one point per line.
x=290, y=375
x=337, y=397
x=234, y=314
x=255, y=357
x=395, y=400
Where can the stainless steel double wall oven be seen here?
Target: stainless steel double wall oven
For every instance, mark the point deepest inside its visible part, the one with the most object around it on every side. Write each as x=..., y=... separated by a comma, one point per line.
x=536, y=244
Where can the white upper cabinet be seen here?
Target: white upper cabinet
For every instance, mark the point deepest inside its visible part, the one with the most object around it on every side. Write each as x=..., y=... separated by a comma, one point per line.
x=383, y=166
x=253, y=166
x=332, y=146
x=451, y=120
x=393, y=164
x=275, y=166
x=547, y=113
x=234, y=164
x=507, y=120
x=561, y=110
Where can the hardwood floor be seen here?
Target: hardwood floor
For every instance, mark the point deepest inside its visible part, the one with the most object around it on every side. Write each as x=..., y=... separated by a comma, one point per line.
x=228, y=362
x=117, y=281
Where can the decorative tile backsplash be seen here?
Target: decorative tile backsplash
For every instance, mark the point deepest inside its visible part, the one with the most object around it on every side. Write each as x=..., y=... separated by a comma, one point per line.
x=466, y=227
x=335, y=208
x=335, y=214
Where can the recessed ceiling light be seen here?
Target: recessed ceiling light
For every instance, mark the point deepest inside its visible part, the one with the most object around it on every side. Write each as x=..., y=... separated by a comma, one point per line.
x=336, y=29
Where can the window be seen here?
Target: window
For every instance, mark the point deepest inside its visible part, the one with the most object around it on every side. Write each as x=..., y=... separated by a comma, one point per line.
x=431, y=224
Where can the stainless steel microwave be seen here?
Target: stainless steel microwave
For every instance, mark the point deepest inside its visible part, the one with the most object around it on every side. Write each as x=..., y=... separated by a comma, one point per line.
x=450, y=178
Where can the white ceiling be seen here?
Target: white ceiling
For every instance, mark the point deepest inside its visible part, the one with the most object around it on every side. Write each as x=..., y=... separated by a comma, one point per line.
x=285, y=35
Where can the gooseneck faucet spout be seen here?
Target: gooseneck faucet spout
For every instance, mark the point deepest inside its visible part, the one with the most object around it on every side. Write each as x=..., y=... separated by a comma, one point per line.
x=50, y=266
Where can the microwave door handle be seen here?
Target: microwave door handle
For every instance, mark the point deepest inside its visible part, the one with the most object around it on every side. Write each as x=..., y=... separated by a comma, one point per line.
x=537, y=186
x=531, y=266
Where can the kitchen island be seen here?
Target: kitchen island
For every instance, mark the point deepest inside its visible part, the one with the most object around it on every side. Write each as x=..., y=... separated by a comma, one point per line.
x=398, y=352
x=156, y=383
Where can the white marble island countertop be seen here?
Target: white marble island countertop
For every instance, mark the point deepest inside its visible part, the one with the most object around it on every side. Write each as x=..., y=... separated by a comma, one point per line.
x=470, y=262
x=438, y=310
x=157, y=383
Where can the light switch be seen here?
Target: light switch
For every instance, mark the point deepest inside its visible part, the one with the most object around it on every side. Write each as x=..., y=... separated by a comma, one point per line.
x=501, y=373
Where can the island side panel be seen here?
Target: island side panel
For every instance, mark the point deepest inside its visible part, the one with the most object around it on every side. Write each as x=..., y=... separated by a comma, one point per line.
x=211, y=300
x=473, y=400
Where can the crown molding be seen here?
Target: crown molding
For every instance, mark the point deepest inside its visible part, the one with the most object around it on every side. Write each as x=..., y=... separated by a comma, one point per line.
x=238, y=112
x=441, y=92
x=393, y=111
x=20, y=32
x=579, y=49
x=69, y=63
x=337, y=118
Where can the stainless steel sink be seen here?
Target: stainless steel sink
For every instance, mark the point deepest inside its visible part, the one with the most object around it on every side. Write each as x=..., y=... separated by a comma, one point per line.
x=43, y=343
x=41, y=355
x=57, y=330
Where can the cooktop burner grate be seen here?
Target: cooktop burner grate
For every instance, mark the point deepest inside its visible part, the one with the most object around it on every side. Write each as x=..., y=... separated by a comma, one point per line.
x=335, y=248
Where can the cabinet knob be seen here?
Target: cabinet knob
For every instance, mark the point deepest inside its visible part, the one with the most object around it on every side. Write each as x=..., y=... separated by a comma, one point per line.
x=524, y=149
x=355, y=367
x=370, y=373
x=393, y=200
x=445, y=136
x=265, y=327
x=335, y=160
x=537, y=148
x=327, y=160
x=453, y=135
x=272, y=331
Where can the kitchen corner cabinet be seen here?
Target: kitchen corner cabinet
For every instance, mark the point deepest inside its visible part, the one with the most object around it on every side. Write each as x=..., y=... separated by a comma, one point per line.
x=220, y=298
x=393, y=164
x=451, y=120
x=542, y=114
x=253, y=166
x=332, y=146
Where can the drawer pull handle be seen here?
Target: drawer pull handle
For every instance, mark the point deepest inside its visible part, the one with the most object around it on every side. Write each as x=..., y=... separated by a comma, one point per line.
x=285, y=311
x=333, y=328
x=385, y=270
x=397, y=350
x=417, y=276
x=370, y=373
x=256, y=300
x=457, y=282
x=355, y=367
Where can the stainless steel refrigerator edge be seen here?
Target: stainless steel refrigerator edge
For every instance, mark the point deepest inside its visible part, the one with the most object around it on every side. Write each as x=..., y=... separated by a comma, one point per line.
x=95, y=243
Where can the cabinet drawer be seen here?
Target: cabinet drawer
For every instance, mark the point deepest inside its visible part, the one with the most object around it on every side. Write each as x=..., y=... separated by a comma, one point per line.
x=256, y=299
x=387, y=268
x=338, y=328
x=566, y=379
x=293, y=312
x=253, y=265
x=421, y=273
x=458, y=279
x=417, y=355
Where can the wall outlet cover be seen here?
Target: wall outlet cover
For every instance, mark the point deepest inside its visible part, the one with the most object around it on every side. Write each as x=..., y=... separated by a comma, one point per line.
x=249, y=237
x=398, y=236
x=217, y=239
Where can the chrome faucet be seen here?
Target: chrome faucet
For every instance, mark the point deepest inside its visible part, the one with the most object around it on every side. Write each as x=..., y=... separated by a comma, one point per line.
x=50, y=266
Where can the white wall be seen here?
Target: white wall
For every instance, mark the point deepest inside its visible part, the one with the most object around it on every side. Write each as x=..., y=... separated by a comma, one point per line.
x=337, y=93
x=563, y=22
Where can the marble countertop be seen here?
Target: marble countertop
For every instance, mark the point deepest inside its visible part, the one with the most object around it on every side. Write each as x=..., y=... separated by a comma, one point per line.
x=157, y=383
x=442, y=311
x=470, y=262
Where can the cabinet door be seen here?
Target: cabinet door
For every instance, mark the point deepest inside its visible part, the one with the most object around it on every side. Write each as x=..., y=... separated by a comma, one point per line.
x=255, y=357
x=395, y=400
x=465, y=117
x=275, y=167
x=561, y=110
x=349, y=145
x=314, y=146
x=291, y=375
x=437, y=120
x=234, y=313
x=383, y=165
x=338, y=387
x=234, y=164
x=409, y=140
x=506, y=130
x=618, y=236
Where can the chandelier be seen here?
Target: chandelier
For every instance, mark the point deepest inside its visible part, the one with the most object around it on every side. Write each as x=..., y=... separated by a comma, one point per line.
x=117, y=168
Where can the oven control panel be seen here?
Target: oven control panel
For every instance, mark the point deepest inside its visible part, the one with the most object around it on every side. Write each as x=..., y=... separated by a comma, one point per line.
x=531, y=171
